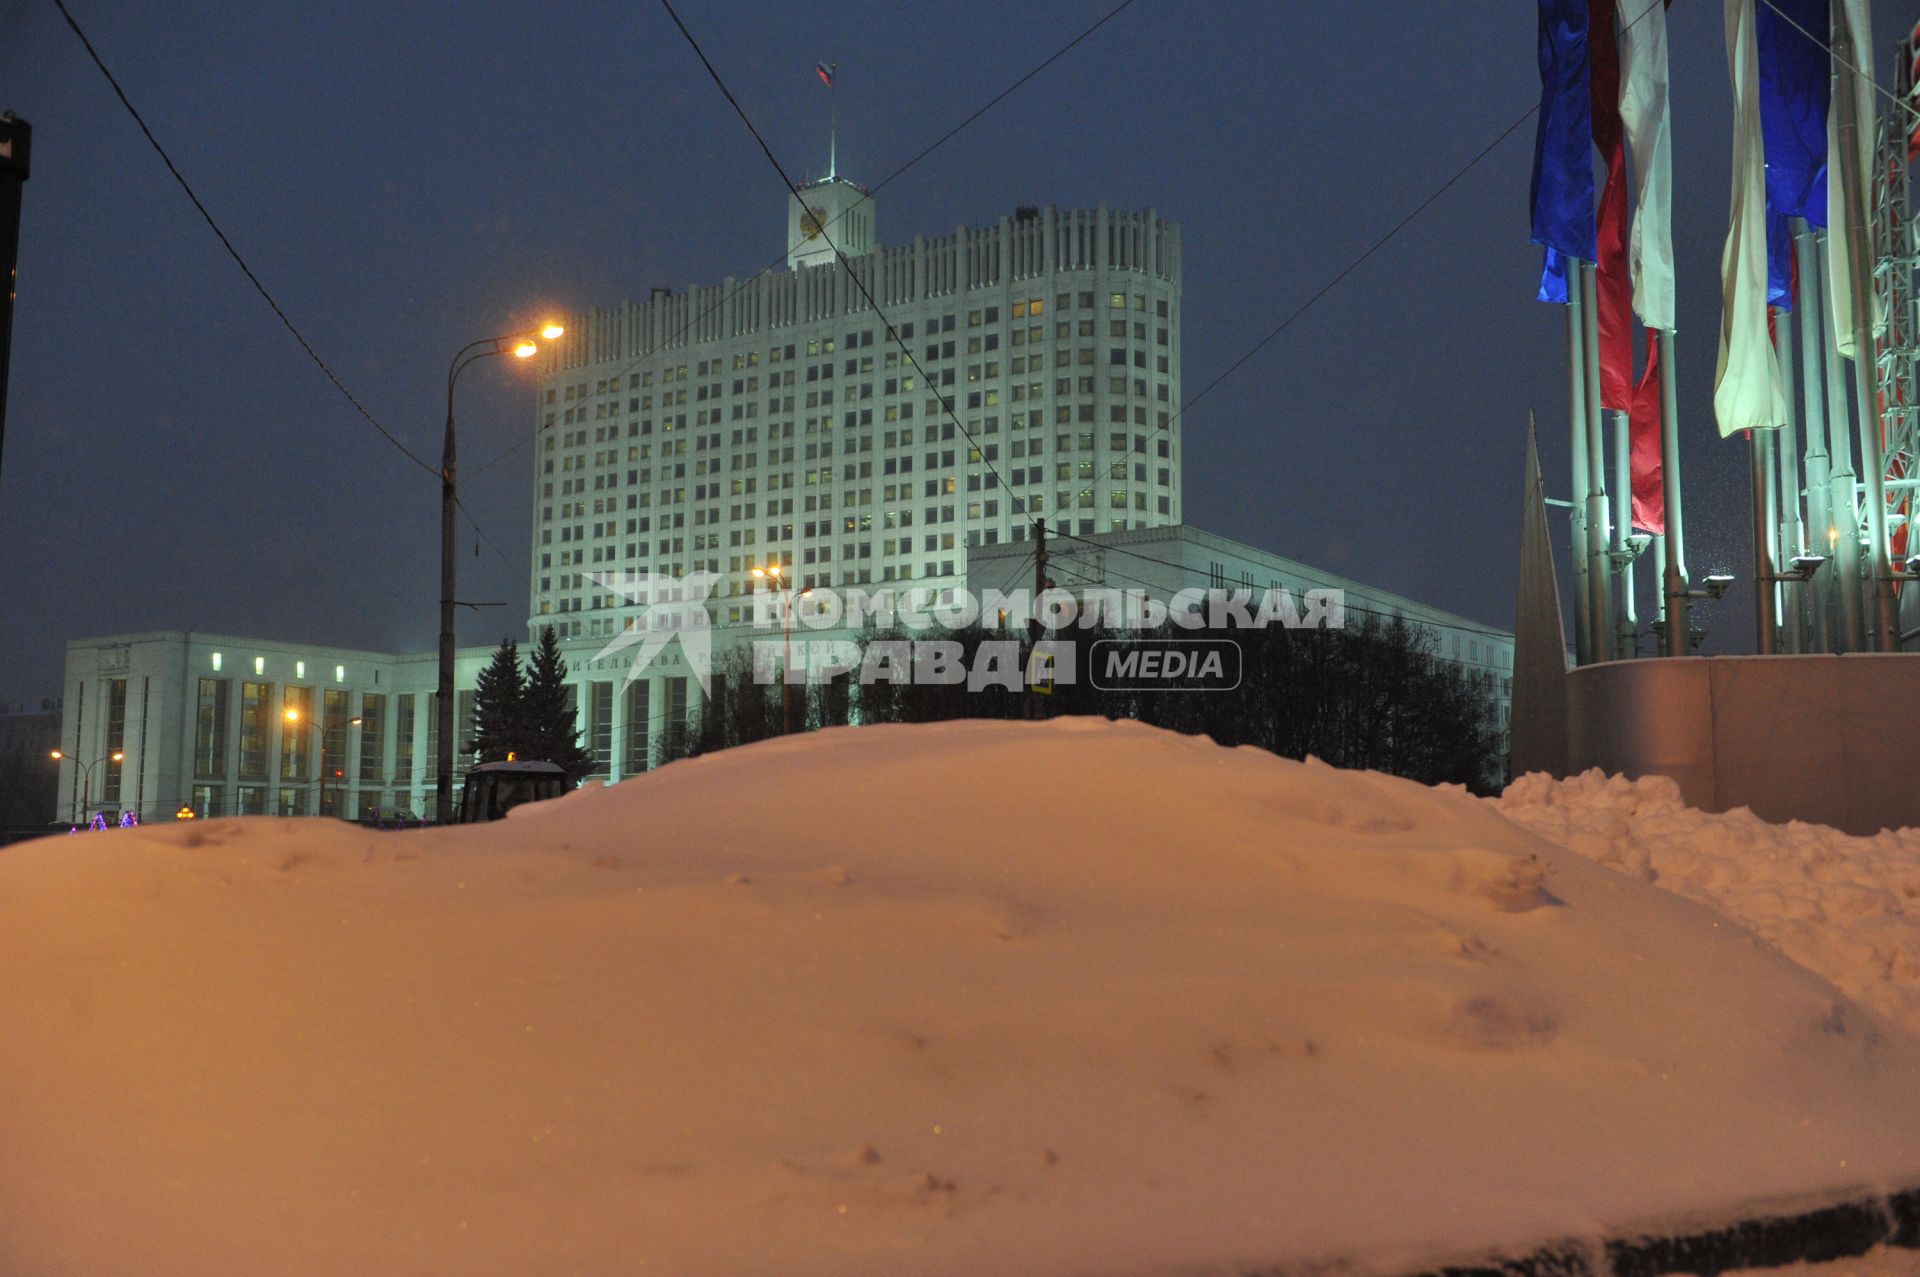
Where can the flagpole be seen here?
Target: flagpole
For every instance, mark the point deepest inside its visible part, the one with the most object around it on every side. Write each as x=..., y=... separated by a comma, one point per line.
x=1679, y=624
x=1843, y=533
x=1599, y=607
x=1806, y=249
x=1627, y=637
x=1577, y=521
x=833, y=121
x=1884, y=616
x=1789, y=532
x=1763, y=570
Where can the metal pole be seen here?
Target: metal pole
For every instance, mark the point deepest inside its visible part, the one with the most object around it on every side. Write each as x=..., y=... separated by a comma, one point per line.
x=443, y=784
x=1818, y=592
x=16, y=147
x=1675, y=576
x=1763, y=573
x=1843, y=534
x=1599, y=608
x=1577, y=518
x=1627, y=638
x=1789, y=532
x=786, y=670
x=1659, y=548
x=1885, y=615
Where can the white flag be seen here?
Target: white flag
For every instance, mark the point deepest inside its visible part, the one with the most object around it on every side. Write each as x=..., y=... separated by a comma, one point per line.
x=1644, y=111
x=1839, y=277
x=1746, y=383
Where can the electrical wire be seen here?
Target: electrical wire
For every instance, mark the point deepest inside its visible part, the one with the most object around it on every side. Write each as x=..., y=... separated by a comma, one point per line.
x=672, y=342
x=1140, y=446
x=233, y=252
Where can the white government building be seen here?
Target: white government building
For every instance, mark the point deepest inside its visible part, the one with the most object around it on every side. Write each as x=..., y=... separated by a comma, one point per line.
x=738, y=427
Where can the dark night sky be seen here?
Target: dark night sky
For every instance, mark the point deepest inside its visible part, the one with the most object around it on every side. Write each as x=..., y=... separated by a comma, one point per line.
x=407, y=178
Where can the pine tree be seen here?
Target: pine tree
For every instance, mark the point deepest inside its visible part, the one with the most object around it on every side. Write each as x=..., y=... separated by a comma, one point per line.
x=550, y=730
x=498, y=713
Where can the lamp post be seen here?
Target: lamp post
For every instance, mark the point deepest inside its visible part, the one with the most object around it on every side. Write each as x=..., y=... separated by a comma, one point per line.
x=780, y=582
x=86, y=776
x=293, y=716
x=520, y=346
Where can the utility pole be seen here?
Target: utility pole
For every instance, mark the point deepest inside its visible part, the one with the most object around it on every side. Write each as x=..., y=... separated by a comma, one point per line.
x=16, y=149
x=443, y=707
x=1035, y=628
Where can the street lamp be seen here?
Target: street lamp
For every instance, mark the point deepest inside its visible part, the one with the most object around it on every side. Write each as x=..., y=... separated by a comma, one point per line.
x=520, y=346
x=86, y=775
x=785, y=586
x=293, y=716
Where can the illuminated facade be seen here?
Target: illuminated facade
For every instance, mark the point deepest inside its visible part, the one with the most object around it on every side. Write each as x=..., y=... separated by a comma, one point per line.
x=775, y=421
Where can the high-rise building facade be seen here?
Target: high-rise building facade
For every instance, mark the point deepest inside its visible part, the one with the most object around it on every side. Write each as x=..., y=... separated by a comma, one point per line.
x=1036, y=373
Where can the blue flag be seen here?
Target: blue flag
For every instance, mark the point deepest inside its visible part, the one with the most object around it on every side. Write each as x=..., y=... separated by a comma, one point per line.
x=1794, y=90
x=1562, y=187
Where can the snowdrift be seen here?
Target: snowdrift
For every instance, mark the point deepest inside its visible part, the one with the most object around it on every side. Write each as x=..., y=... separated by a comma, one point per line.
x=1843, y=906
x=1074, y=997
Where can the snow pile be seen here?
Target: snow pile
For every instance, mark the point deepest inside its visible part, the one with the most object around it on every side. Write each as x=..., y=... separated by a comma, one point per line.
x=1844, y=906
x=1071, y=997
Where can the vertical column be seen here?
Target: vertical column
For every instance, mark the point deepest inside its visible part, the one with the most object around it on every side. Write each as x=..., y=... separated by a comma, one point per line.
x=1790, y=533
x=1599, y=608
x=1843, y=534
x=1759, y=444
x=1817, y=594
x=1577, y=418
x=1678, y=606
x=1626, y=623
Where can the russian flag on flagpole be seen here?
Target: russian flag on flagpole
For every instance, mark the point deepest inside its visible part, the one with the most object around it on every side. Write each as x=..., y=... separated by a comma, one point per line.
x=1613, y=284
x=825, y=73
x=1648, y=121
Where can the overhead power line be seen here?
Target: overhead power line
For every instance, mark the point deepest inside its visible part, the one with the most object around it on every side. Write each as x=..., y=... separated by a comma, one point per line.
x=846, y=265
x=671, y=342
x=233, y=252
x=1139, y=447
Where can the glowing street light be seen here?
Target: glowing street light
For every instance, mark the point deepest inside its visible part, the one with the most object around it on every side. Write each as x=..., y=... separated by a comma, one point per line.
x=784, y=585
x=86, y=775
x=521, y=346
x=292, y=715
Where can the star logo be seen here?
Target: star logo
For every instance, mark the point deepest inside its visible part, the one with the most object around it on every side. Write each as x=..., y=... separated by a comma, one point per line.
x=666, y=608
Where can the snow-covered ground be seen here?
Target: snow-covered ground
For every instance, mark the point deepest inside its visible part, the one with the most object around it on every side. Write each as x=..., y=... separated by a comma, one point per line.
x=1073, y=997
x=1846, y=907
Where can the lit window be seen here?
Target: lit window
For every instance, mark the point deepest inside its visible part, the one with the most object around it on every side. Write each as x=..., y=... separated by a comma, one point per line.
x=339, y=673
x=259, y=665
x=299, y=669
x=216, y=660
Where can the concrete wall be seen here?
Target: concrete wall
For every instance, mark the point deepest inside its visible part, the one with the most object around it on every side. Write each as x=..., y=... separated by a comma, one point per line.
x=1815, y=738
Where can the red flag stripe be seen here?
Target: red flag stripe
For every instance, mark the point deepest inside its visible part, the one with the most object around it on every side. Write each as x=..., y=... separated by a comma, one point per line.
x=1643, y=438
x=1613, y=284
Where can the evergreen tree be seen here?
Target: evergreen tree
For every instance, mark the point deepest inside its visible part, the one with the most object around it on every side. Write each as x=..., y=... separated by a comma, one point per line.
x=498, y=714
x=550, y=730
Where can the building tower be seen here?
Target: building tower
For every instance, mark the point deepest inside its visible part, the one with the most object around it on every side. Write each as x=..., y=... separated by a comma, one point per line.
x=830, y=213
